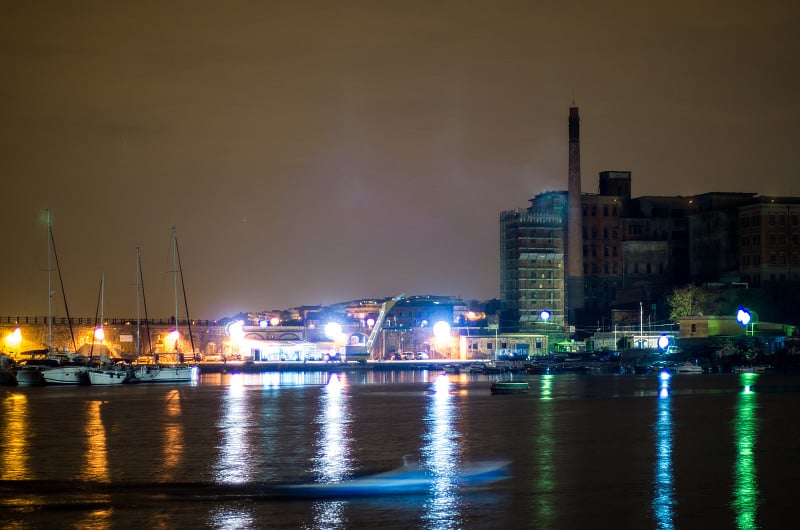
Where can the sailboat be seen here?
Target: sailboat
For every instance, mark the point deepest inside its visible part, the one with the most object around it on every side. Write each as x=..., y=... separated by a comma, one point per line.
x=109, y=373
x=71, y=369
x=171, y=368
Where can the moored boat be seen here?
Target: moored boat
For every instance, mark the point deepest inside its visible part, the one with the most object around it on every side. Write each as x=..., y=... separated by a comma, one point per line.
x=509, y=387
x=117, y=374
x=7, y=377
x=164, y=373
x=31, y=372
x=688, y=368
x=68, y=373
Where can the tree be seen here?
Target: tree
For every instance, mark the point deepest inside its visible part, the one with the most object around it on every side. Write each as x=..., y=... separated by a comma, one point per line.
x=688, y=301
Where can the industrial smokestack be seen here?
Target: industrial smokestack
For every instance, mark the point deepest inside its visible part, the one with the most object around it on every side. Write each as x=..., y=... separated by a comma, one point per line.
x=574, y=250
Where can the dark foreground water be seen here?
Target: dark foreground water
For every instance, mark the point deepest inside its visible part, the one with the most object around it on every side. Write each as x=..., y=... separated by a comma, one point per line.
x=586, y=451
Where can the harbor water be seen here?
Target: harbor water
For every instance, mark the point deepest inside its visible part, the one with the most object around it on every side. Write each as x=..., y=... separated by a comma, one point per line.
x=583, y=451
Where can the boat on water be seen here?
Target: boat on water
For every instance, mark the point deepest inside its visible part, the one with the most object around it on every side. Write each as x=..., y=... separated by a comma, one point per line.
x=407, y=480
x=752, y=369
x=69, y=369
x=117, y=373
x=68, y=372
x=167, y=367
x=7, y=377
x=150, y=369
x=106, y=372
x=451, y=369
x=30, y=372
x=509, y=387
x=688, y=368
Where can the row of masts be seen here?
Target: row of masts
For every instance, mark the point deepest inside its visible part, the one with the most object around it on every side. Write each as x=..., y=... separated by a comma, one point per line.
x=141, y=302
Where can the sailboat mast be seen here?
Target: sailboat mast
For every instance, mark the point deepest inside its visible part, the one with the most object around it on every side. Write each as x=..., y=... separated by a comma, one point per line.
x=175, y=273
x=61, y=282
x=102, y=296
x=49, y=288
x=144, y=301
x=138, y=317
x=183, y=290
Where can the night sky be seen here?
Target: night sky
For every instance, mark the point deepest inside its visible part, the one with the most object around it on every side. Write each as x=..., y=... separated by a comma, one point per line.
x=311, y=152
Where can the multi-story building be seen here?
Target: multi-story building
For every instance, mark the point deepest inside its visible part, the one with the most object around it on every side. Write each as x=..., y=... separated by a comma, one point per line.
x=532, y=264
x=714, y=237
x=602, y=216
x=633, y=251
x=769, y=249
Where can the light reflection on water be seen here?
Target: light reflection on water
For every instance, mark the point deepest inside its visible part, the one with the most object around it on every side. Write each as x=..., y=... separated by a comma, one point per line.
x=14, y=438
x=543, y=446
x=332, y=461
x=173, y=439
x=441, y=457
x=745, y=487
x=234, y=459
x=239, y=430
x=96, y=456
x=664, y=487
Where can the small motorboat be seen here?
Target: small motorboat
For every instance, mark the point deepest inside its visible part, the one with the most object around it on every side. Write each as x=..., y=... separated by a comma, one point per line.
x=407, y=480
x=689, y=368
x=509, y=387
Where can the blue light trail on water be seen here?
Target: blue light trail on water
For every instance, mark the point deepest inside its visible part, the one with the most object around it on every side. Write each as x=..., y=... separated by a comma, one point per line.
x=663, y=481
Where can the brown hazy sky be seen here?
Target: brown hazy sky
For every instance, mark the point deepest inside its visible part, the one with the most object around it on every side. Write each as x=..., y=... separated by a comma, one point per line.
x=317, y=151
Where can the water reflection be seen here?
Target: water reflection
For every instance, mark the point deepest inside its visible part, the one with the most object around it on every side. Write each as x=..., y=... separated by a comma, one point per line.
x=663, y=482
x=15, y=438
x=235, y=458
x=96, y=454
x=545, y=478
x=173, y=443
x=745, y=487
x=440, y=455
x=332, y=462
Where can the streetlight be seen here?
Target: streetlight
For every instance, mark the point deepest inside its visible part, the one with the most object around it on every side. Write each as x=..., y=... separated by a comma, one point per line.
x=441, y=330
x=747, y=318
x=14, y=339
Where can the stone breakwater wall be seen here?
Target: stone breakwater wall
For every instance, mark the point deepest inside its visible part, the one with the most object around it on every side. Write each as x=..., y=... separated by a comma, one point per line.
x=120, y=335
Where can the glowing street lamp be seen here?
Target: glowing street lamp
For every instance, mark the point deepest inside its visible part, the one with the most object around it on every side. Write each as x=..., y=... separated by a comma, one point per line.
x=99, y=334
x=333, y=330
x=14, y=339
x=747, y=318
x=172, y=338
x=441, y=332
x=235, y=330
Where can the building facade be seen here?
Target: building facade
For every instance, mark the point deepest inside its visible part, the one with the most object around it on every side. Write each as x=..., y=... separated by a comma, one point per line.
x=532, y=265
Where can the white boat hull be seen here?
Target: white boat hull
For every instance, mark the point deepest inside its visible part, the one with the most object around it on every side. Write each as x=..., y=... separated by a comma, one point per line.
x=157, y=373
x=66, y=375
x=31, y=376
x=108, y=377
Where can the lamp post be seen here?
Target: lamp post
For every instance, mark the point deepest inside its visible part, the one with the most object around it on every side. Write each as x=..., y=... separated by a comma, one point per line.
x=544, y=318
x=747, y=319
x=441, y=331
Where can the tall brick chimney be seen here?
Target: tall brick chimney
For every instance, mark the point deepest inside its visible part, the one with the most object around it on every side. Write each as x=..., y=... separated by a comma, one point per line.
x=574, y=247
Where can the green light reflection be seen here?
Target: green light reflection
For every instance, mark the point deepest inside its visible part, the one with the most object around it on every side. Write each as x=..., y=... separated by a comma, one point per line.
x=745, y=487
x=545, y=481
